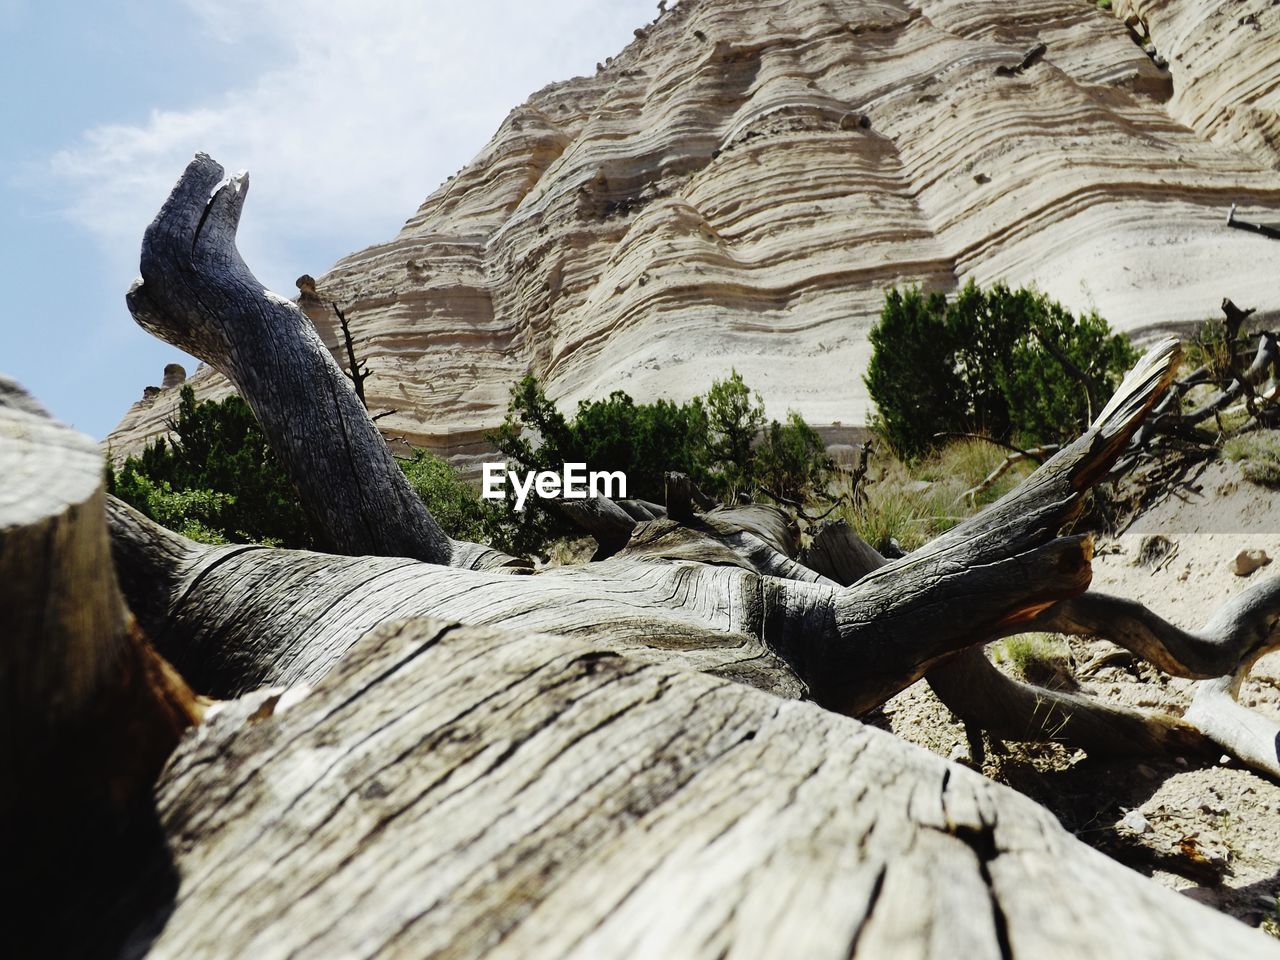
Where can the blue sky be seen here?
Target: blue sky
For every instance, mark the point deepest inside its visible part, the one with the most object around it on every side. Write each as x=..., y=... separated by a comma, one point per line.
x=347, y=113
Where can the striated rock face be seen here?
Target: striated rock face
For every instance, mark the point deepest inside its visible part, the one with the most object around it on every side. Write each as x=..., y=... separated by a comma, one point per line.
x=739, y=186
x=150, y=416
x=1225, y=62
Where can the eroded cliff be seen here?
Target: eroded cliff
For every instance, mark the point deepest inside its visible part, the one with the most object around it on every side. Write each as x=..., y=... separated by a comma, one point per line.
x=739, y=186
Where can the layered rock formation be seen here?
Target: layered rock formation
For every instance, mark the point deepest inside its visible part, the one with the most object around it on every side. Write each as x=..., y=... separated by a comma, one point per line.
x=1225, y=61
x=739, y=186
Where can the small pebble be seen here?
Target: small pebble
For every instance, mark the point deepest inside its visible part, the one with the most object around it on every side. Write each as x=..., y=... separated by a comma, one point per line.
x=1247, y=561
x=1135, y=821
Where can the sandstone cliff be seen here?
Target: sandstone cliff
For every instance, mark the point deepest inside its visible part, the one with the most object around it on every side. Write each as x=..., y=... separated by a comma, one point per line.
x=738, y=187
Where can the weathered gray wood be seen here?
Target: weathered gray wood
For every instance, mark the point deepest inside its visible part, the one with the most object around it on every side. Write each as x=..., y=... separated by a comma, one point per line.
x=1243, y=733
x=837, y=552
x=986, y=699
x=235, y=618
x=586, y=780
x=853, y=647
x=197, y=293
x=1242, y=630
x=70, y=652
x=603, y=520
x=88, y=712
x=1238, y=632
x=465, y=792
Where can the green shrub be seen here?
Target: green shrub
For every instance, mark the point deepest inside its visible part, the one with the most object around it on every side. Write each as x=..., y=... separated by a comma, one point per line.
x=979, y=364
x=214, y=479
x=196, y=514
x=791, y=460
x=734, y=417
x=453, y=502
x=722, y=442
x=912, y=376
x=643, y=440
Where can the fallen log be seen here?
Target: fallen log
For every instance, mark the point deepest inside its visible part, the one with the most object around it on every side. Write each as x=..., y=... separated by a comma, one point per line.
x=470, y=792
x=721, y=601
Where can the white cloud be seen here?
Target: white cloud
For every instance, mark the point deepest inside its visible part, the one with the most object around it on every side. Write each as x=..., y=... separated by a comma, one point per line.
x=369, y=106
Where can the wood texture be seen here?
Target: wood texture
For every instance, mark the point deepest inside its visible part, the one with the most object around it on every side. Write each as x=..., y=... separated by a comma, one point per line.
x=466, y=792
x=197, y=293
x=75, y=675
x=88, y=712
x=721, y=593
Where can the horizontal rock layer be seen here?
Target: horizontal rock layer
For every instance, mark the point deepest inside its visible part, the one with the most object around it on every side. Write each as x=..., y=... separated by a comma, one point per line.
x=739, y=186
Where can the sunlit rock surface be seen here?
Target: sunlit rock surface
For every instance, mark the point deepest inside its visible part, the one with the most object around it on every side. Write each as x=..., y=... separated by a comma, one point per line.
x=739, y=186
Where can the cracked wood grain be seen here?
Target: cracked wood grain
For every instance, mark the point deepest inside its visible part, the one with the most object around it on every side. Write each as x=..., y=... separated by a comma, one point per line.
x=461, y=792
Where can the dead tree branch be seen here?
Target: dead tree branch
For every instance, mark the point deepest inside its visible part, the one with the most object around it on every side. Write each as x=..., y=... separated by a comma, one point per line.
x=1260, y=228
x=356, y=371
x=197, y=293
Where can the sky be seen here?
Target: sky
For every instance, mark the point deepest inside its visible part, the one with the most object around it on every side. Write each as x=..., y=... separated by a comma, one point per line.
x=347, y=113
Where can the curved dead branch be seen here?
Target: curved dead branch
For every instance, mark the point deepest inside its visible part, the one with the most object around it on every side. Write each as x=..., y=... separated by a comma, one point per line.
x=1243, y=733
x=979, y=694
x=197, y=293
x=1240, y=631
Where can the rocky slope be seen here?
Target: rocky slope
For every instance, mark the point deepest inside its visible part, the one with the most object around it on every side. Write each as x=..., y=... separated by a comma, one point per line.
x=739, y=186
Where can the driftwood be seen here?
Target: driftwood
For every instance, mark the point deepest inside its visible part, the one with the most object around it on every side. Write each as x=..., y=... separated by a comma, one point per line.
x=244, y=616
x=643, y=756
x=466, y=792
x=723, y=593
x=197, y=293
x=988, y=700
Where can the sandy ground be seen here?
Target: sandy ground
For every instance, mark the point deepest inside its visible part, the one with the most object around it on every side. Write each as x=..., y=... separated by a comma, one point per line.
x=1211, y=830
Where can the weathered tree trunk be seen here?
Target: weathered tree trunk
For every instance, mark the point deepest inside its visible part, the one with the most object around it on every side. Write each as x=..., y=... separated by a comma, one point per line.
x=853, y=647
x=88, y=711
x=467, y=792
x=720, y=592
x=197, y=293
